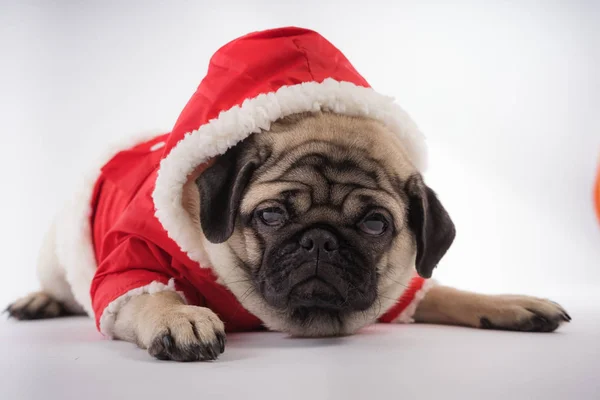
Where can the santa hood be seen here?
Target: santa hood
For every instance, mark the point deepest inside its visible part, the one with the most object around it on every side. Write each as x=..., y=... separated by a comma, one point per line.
x=252, y=82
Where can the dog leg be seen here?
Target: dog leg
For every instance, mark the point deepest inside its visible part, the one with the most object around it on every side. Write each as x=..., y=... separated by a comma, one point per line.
x=55, y=298
x=169, y=329
x=446, y=305
x=37, y=305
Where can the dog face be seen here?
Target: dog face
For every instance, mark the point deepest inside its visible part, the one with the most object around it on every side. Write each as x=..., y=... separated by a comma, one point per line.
x=318, y=224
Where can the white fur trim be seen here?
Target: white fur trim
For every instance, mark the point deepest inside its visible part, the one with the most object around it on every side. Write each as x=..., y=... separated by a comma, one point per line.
x=109, y=315
x=254, y=115
x=406, y=316
x=74, y=246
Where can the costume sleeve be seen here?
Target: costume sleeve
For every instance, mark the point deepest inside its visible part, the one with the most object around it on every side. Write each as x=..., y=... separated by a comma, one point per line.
x=404, y=309
x=132, y=267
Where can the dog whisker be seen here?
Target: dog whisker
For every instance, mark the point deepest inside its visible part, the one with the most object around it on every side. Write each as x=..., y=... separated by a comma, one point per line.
x=238, y=281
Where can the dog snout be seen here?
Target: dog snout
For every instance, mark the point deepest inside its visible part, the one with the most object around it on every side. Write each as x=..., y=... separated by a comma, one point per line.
x=318, y=239
x=317, y=269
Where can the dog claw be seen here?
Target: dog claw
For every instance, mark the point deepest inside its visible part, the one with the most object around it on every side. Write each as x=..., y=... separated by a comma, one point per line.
x=222, y=339
x=168, y=342
x=485, y=323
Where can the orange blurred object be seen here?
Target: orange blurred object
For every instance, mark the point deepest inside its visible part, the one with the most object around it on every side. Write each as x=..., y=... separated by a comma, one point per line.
x=597, y=193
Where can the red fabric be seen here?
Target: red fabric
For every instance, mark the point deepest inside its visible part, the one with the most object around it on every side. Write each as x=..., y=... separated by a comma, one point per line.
x=404, y=301
x=257, y=63
x=132, y=248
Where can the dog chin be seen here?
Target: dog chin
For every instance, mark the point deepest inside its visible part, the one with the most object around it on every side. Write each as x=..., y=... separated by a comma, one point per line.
x=317, y=321
x=315, y=309
x=323, y=322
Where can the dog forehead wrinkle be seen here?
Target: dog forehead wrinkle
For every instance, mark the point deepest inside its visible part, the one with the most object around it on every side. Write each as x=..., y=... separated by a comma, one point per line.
x=314, y=151
x=352, y=167
x=339, y=192
x=310, y=176
x=335, y=157
x=324, y=178
x=261, y=191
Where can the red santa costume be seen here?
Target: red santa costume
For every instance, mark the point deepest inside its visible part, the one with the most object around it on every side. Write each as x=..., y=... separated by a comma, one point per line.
x=128, y=233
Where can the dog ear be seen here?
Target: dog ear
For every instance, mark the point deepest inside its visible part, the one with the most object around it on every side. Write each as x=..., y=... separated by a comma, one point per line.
x=221, y=188
x=434, y=230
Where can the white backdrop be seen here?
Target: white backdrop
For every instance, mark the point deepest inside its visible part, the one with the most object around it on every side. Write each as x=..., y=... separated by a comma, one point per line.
x=507, y=92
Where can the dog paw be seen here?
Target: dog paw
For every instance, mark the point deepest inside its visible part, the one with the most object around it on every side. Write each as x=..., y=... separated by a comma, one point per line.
x=188, y=333
x=38, y=305
x=524, y=313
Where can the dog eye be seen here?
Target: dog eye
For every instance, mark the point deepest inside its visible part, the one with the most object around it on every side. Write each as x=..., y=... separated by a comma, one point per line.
x=273, y=216
x=374, y=224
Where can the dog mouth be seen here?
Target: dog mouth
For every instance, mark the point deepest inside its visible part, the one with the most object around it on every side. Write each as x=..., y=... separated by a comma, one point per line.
x=311, y=287
x=315, y=293
x=316, y=299
x=306, y=293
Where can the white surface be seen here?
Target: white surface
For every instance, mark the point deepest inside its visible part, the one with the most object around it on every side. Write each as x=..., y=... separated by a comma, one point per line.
x=67, y=359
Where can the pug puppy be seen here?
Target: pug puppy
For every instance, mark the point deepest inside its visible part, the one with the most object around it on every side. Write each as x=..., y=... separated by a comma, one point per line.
x=317, y=226
x=288, y=195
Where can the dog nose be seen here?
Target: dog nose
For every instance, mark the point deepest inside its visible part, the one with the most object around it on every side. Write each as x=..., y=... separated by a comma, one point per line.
x=319, y=239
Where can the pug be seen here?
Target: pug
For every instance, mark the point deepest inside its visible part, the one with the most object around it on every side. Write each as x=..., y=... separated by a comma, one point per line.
x=302, y=210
